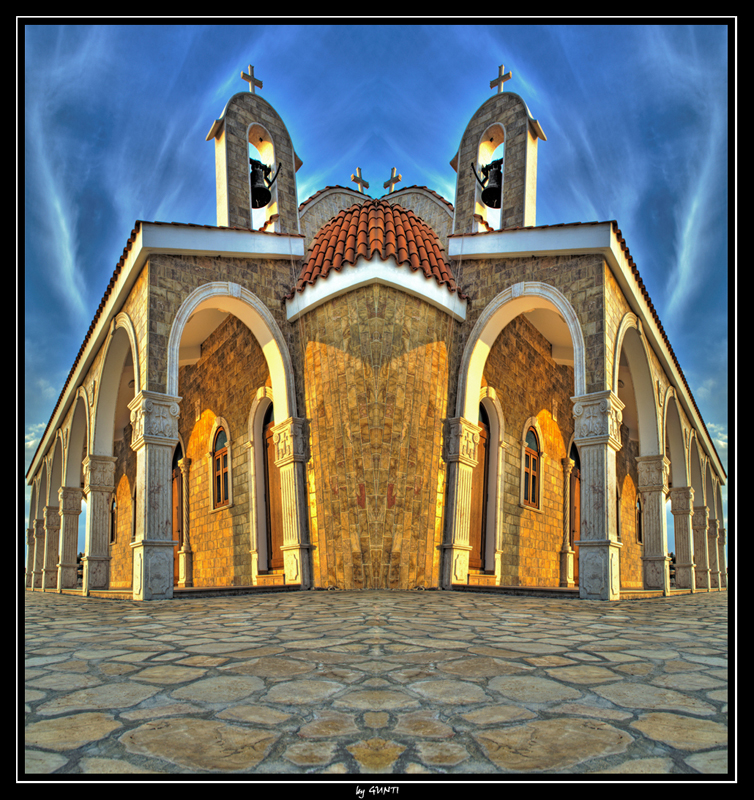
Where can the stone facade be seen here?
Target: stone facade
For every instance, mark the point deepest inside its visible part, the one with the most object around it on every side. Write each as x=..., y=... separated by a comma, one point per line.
x=374, y=447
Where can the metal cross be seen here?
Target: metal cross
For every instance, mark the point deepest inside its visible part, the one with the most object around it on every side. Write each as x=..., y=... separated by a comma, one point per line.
x=251, y=79
x=393, y=180
x=501, y=79
x=359, y=181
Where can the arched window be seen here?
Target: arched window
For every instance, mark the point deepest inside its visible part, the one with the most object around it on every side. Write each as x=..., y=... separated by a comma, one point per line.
x=220, y=468
x=113, y=519
x=531, y=469
x=639, y=532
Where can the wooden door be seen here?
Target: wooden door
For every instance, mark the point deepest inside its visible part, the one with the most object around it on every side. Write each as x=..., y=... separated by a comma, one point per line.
x=274, y=504
x=177, y=519
x=575, y=519
x=478, y=515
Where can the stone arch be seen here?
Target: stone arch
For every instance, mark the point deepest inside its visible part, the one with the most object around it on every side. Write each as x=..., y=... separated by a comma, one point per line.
x=642, y=411
x=499, y=312
x=79, y=440
x=256, y=316
x=673, y=441
x=55, y=470
x=120, y=344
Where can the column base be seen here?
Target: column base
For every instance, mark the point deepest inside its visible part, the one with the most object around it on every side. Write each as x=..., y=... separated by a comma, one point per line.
x=296, y=565
x=684, y=577
x=599, y=570
x=566, y=569
x=455, y=560
x=96, y=572
x=185, y=568
x=657, y=573
x=153, y=569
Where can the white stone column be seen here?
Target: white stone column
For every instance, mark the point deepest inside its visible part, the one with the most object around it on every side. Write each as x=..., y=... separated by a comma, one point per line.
x=700, y=522
x=682, y=508
x=567, y=553
x=653, y=486
x=714, y=569
x=461, y=442
x=154, y=418
x=598, y=418
x=290, y=456
x=185, y=557
x=39, y=553
x=70, y=509
x=99, y=484
x=52, y=539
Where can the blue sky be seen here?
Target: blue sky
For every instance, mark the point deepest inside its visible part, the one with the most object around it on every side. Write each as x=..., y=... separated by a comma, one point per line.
x=115, y=120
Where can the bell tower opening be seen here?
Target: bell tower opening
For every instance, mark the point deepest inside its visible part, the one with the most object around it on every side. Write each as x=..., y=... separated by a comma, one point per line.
x=489, y=167
x=262, y=174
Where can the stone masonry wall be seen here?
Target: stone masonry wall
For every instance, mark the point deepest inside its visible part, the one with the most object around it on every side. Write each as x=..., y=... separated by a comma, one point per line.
x=376, y=389
x=530, y=384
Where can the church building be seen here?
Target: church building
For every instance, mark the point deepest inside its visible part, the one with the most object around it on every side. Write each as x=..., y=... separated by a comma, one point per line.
x=390, y=393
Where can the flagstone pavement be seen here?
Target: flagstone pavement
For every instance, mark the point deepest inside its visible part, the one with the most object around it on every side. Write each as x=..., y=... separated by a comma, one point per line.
x=376, y=683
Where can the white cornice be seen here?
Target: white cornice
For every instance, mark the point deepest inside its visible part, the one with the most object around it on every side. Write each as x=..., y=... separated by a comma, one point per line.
x=574, y=240
x=364, y=273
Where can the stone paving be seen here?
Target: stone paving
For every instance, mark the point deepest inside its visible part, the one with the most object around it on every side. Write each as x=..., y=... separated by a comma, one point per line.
x=376, y=683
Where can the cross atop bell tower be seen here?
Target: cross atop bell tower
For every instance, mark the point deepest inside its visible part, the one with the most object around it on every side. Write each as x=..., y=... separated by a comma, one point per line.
x=252, y=81
x=501, y=79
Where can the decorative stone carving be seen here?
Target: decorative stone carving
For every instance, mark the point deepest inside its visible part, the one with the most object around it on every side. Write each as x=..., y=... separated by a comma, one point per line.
x=598, y=417
x=154, y=416
x=290, y=442
x=461, y=438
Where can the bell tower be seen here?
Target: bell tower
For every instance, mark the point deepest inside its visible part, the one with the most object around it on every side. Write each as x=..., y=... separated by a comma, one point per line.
x=491, y=194
x=255, y=188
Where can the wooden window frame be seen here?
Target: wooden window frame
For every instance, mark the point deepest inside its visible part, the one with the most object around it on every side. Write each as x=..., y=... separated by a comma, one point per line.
x=531, y=478
x=221, y=488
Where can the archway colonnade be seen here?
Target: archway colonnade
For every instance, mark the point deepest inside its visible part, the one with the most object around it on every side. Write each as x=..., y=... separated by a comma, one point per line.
x=81, y=462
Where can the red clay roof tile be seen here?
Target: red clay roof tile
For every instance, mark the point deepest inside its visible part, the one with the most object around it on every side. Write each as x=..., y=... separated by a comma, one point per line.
x=376, y=228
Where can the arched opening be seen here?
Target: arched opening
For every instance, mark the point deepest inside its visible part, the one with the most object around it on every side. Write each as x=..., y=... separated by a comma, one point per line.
x=274, y=516
x=478, y=525
x=491, y=150
x=262, y=150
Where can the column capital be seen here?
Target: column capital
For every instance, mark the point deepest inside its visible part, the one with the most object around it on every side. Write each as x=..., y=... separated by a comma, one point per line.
x=154, y=418
x=701, y=517
x=99, y=473
x=52, y=517
x=461, y=440
x=654, y=472
x=682, y=500
x=598, y=418
x=289, y=440
x=70, y=499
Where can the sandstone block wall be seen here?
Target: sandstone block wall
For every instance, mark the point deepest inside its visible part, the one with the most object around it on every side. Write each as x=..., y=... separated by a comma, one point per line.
x=376, y=397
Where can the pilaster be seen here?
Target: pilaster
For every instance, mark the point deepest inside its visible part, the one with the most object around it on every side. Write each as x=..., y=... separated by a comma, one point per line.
x=714, y=569
x=99, y=484
x=598, y=418
x=290, y=456
x=154, y=418
x=39, y=553
x=700, y=523
x=461, y=442
x=30, y=547
x=52, y=542
x=682, y=508
x=653, y=486
x=721, y=561
x=70, y=509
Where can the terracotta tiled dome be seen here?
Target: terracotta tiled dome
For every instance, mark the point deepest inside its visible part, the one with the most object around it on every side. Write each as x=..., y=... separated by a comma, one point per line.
x=376, y=228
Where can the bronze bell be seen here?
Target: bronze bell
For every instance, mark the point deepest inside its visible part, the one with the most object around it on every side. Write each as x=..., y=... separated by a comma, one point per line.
x=261, y=183
x=492, y=185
